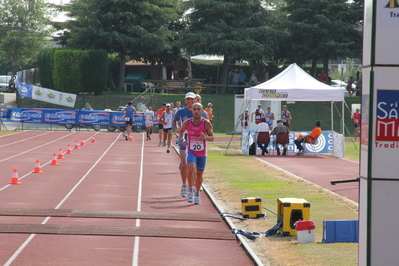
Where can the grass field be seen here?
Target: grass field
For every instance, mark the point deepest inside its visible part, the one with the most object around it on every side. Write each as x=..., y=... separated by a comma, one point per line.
x=233, y=176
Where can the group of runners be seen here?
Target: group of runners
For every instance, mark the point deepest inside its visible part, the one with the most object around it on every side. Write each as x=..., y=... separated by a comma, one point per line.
x=193, y=127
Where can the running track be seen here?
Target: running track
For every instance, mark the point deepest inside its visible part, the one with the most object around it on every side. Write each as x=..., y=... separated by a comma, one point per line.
x=55, y=218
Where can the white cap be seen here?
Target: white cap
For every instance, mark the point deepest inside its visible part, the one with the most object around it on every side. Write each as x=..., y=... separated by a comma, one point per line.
x=209, y=104
x=190, y=95
x=168, y=104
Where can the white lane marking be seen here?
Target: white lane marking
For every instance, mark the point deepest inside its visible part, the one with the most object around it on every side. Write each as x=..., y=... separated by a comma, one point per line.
x=136, y=247
x=8, y=144
x=8, y=158
x=27, y=241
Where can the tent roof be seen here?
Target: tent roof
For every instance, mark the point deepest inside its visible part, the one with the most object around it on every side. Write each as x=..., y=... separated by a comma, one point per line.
x=294, y=84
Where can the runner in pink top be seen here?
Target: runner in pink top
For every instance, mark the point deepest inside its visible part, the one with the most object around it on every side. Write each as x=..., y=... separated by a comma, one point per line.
x=199, y=131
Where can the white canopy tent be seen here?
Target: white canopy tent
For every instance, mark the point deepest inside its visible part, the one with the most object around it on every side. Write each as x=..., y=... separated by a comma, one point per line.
x=294, y=84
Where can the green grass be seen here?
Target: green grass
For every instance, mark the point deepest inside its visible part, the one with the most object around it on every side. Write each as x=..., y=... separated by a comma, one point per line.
x=246, y=177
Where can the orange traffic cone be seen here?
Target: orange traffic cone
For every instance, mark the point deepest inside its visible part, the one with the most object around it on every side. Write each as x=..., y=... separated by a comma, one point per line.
x=54, y=160
x=82, y=142
x=37, y=167
x=14, y=179
x=60, y=155
x=93, y=139
x=76, y=145
x=131, y=137
x=69, y=151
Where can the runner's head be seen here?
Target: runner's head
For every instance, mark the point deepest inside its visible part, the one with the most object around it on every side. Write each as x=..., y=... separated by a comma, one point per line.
x=190, y=99
x=197, y=110
x=168, y=107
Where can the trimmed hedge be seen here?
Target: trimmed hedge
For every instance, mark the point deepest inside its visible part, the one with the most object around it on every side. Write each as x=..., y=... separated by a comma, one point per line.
x=45, y=61
x=74, y=71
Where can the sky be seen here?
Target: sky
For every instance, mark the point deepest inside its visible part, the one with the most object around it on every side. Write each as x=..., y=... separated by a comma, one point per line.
x=60, y=17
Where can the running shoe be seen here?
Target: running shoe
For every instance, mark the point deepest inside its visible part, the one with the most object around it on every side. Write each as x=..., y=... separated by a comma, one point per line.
x=164, y=144
x=304, y=152
x=190, y=195
x=183, y=191
x=167, y=150
x=197, y=199
x=149, y=137
x=159, y=144
x=299, y=152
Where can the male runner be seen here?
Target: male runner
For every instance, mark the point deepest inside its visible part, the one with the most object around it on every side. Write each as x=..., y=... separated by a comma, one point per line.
x=160, y=122
x=182, y=115
x=199, y=131
x=167, y=117
x=128, y=117
x=149, y=122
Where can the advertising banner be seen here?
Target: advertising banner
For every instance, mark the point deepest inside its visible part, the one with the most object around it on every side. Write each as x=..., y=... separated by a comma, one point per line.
x=74, y=117
x=45, y=95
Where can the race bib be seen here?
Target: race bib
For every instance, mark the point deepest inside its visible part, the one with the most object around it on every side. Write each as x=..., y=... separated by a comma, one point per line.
x=127, y=118
x=257, y=117
x=196, y=145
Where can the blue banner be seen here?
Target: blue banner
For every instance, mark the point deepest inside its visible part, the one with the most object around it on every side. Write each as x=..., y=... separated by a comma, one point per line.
x=75, y=117
x=25, y=90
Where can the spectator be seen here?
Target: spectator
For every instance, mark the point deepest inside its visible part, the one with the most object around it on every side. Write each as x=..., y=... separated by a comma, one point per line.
x=234, y=79
x=356, y=117
x=241, y=80
x=262, y=127
x=209, y=111
x=244, y=117
x=307, y=138
x=253, y=80
x=280, y=128
x=351, y=87
x=322, y=77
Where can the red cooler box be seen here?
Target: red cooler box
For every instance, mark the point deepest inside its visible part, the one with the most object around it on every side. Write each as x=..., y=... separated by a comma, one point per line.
x=305, y=231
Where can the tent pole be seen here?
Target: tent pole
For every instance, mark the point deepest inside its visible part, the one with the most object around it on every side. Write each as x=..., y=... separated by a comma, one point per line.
x=343, y=119
x=332, y=115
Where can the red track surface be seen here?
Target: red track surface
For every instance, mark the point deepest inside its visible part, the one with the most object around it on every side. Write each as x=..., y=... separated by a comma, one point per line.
x=111, y=174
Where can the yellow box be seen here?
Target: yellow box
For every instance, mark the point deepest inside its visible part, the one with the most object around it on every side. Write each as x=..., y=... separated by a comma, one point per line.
x=252, y=207
x=290, y=210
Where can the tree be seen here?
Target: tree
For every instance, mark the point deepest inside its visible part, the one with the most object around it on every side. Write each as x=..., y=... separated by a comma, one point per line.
x=235, y=29
x=127, y=28
x=322, y=30
x=24, y=27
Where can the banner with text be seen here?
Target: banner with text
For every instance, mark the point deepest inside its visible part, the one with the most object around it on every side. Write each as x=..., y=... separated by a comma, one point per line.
x=75, y=117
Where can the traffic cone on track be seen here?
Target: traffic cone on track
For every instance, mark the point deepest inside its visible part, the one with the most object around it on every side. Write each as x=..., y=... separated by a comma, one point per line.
x=14, y=179
x=54, y=160
x=37, y=167
x=93, y=139
x=82, y=142
x=69, y=150
x=76, y=145
x=131, y=137
x=60, y=155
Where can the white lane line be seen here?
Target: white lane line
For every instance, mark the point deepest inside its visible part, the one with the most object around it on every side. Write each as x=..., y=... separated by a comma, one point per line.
x=136, y=247
x=8, y=158
x=27, y=241
x=8, y=144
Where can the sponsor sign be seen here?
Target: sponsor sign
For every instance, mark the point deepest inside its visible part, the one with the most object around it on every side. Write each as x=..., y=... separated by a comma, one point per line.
x=75, y=117
x=387, y=118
